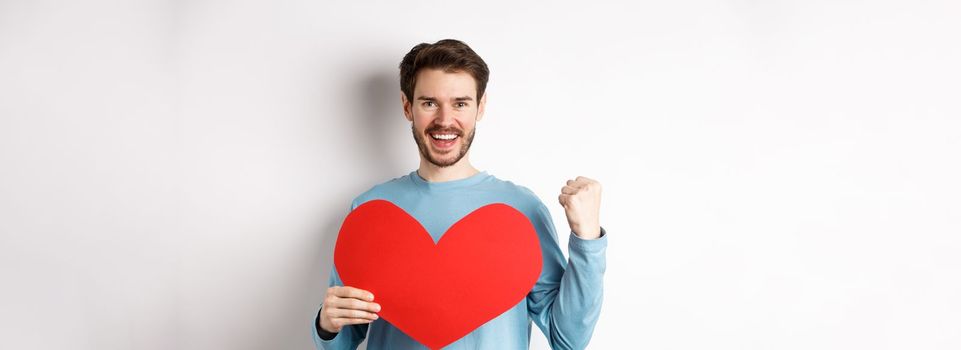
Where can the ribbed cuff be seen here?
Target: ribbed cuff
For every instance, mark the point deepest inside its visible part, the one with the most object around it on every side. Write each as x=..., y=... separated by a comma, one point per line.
x=596, y=245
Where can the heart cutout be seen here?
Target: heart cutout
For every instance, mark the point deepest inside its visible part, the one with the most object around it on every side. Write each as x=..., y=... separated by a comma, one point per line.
x=483, y=265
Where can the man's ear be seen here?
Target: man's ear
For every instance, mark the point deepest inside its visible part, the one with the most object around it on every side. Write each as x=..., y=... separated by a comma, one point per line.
x=406, y=106
x=480, y=107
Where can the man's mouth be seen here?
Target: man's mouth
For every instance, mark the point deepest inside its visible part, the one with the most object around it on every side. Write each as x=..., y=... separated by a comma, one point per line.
x=443, y=140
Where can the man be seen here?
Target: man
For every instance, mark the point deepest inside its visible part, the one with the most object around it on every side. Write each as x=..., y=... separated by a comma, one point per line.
x=442, y=93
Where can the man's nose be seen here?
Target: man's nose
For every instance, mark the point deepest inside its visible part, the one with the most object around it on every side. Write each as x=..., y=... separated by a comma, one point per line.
x=445, y=115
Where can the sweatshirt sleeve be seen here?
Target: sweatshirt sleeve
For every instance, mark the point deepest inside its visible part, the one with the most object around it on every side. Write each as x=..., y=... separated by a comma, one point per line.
x=350, y=336
x=565, y=303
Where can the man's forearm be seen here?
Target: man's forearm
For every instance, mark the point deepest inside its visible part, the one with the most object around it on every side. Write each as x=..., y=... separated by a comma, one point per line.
x=577, y=307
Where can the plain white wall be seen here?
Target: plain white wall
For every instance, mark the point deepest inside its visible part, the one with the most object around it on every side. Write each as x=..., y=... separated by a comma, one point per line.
x=777, y=174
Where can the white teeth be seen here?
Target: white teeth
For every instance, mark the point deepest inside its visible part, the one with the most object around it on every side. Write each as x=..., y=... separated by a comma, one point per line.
x=443, y=136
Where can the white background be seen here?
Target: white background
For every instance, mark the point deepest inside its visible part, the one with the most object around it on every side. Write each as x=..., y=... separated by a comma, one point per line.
x=777, y=174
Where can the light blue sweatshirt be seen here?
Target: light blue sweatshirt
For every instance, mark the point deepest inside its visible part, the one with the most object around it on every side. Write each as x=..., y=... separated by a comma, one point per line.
x=564, y=303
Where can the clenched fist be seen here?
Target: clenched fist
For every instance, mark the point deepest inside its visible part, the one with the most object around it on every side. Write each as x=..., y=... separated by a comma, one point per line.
x=581, y=199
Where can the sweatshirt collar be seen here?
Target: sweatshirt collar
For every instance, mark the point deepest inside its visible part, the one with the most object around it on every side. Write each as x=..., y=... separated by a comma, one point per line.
x=451, y=184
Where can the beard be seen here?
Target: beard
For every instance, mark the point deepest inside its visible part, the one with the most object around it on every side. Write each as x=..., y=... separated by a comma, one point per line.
x=425, y=148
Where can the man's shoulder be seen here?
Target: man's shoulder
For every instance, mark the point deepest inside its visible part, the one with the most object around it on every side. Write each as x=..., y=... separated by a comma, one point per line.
x=518, y=190
x=518, y=196
x=382, y=190
x=524, y=199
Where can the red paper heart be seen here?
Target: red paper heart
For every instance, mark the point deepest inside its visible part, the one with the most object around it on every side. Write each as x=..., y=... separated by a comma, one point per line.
x=483, y=265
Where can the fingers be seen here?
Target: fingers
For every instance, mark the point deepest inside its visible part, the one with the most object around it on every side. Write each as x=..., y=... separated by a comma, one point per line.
x=579, y=183
x=355, y=304
x=574, y=187
x=346, y=306
x=350, y=298
x=584, y=179
x=351, y=292
x=352, y=313
x=575, y=183
x=583, y=182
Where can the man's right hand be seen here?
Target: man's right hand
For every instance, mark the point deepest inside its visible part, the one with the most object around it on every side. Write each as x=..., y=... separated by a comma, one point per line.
x=346, y=306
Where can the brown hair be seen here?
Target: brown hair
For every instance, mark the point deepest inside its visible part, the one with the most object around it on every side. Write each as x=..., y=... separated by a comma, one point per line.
x=450, y=55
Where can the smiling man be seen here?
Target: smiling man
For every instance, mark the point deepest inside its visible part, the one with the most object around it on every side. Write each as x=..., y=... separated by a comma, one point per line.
x=442, y=94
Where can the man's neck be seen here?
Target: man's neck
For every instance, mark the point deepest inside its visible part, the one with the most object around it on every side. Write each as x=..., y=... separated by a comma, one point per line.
x=432, y=173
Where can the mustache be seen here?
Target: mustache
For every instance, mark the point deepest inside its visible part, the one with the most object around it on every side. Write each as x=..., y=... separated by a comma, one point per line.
x=440, y=130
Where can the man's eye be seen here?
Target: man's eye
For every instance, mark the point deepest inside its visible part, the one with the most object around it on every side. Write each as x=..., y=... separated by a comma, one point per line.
x=428, y=104
x=462, y=104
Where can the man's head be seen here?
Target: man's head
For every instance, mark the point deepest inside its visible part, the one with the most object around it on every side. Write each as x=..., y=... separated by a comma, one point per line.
x=442, y=91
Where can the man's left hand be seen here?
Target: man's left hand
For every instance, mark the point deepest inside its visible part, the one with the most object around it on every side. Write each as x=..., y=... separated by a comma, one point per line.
x=581, y=199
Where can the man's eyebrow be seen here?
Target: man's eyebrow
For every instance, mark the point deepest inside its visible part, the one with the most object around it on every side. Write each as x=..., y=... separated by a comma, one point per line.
x=430, y=98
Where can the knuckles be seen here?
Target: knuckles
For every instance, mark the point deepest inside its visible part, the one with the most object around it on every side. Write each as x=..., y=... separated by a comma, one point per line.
x=584, y=182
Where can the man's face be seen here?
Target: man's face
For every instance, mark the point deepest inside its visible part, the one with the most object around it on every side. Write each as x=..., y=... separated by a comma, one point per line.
x=444, y=113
